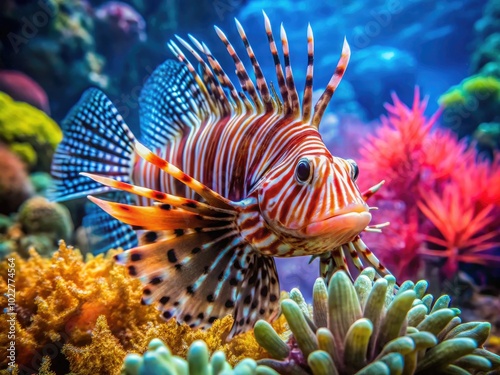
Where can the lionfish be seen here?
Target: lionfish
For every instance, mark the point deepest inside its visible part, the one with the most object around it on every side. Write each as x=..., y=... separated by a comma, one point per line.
x=225, y=181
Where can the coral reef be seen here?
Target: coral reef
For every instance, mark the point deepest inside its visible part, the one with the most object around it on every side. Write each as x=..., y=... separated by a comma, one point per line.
x=28, y=132
x=15, y=186
x=42, y=182
x=75, y=310
x=52, y=42
x=489, y=24
x=43, y=224
x=485, y=59
x=159, y=360
x=471, y=106
x=426, y=171
x=471, y=103
x=38, y=215
x=23, y=89
x=118, y=30
x=365, y=328
x=39, y=224
x=85, y=316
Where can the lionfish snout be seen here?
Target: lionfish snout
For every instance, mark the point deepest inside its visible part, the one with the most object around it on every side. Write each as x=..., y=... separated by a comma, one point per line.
x=342, y=213
x=343, y=225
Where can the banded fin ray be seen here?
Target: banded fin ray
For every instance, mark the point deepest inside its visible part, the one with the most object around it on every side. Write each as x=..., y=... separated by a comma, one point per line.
x=308, y=87
x=212, y=197
x=217, y=95
x=259, y=294
x=290, y=83
x=159, y=217
x=279, y=70
x=160, y=197
x=216, y=273
x=259, y=75
x=245, y=82
x=324, y=99
x=104, y=232
x=96, y=140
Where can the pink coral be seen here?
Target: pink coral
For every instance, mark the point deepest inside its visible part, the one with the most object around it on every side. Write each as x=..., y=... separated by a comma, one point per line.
x=24, y=89
x=442, y=197
x=462, y=227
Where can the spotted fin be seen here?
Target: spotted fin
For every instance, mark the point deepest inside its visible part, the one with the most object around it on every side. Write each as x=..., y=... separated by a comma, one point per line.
x=201, y=269
x=103, y=232
x=198, y=277
x=96, y=140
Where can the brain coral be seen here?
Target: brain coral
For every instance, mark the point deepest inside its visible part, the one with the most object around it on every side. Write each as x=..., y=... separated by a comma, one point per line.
x=29, y=132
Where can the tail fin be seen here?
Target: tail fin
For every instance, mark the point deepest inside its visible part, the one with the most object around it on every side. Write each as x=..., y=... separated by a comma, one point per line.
x=96, y=140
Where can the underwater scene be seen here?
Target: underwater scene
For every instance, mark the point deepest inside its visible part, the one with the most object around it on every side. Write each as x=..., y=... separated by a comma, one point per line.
x=243, y=187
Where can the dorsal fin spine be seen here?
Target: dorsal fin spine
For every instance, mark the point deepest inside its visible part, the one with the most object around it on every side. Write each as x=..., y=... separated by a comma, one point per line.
x=218, y=97
x=248, y=106
x=324, y=99
x=215, y=104
x=224, y=80
x=279, y=71
x=290, y=84
x=276, y=100
x=218, y=81
x=245, y=81
x=308, y=88
x=259, y=75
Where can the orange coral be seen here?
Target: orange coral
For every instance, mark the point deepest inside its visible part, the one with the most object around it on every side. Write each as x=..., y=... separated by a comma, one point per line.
x=86, y=310
x=54, y=297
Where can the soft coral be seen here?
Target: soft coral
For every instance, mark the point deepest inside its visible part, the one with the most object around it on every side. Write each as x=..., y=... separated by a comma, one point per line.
x=463, y=229
x=439, y=186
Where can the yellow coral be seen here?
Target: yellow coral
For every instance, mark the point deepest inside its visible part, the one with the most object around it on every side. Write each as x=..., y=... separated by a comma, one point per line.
x=28, y=131
x=482, y=84
x=453, y=97
x=94, y=307
x=103, y=356
x=479, y=87
x=45, y=367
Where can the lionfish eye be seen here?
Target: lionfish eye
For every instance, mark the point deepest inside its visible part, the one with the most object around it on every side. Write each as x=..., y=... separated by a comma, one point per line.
x=355, y=169
x=303, y=171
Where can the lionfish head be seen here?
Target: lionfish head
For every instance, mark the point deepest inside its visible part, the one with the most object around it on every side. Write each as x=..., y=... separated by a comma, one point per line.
x=314, y=196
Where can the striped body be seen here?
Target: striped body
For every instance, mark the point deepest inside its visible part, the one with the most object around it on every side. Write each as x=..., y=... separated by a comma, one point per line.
x=225, y=181
x=233, y=162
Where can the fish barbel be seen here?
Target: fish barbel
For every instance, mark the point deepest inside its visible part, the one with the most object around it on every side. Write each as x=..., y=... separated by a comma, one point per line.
x=224, y=181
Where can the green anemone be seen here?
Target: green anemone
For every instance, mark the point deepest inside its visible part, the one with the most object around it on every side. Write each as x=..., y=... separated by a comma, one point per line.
x=371, y=327
x=159, y=360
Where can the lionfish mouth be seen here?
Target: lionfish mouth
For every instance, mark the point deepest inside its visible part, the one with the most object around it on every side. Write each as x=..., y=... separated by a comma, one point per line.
x=346, y=223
